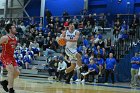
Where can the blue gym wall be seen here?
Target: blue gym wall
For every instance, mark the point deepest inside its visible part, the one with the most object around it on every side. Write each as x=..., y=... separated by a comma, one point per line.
x=74, y=7
x=111, y=6
x=57, y=7
x=33, y=8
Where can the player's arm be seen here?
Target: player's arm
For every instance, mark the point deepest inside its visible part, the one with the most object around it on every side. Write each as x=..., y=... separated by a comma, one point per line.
x=61, y=36
x=75, y=39
x=3, y=39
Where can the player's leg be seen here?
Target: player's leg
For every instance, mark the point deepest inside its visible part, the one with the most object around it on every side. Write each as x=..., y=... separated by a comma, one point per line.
x=16, y=72
x=69, y=76
x=71, y=54
x=72, y=67
x=10, y=69
x=79, y=62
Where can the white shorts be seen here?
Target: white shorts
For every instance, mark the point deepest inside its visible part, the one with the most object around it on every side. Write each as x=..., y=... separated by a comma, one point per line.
x=72, y=54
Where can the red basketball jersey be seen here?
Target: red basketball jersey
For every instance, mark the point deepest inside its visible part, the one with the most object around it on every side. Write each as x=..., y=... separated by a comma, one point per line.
x=9, y=47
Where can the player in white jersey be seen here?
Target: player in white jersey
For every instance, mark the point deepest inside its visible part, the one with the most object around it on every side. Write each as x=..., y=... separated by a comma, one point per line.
x=71, y=35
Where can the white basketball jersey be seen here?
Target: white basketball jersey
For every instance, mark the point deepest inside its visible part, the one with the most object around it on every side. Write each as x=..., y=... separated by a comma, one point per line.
x=71, y=36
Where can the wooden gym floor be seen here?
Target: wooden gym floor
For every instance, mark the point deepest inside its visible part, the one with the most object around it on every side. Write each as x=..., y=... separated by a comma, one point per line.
x=33, y=85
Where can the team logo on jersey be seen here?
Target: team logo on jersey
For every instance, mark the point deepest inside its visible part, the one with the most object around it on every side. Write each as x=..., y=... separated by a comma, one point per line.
x=71, y=36
x=13, y=44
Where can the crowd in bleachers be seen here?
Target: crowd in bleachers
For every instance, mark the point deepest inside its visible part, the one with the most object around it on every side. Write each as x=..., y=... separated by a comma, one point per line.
x=38, y=40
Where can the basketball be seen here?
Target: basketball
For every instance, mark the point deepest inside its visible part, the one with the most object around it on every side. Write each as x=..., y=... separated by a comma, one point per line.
x=62, y=42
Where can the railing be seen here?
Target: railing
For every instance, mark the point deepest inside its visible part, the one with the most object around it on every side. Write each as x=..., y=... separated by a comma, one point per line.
x=123, y=46
x=26, y=20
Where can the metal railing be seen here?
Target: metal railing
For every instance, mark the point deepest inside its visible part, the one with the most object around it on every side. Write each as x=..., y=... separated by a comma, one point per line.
x=123, y=46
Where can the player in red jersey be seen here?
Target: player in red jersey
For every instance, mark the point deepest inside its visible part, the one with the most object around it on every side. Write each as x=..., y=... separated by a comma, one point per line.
x=9, y=42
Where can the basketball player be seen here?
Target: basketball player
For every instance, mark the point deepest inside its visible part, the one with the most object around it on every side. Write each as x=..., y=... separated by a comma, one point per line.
x=71, y=35
x=8, y=43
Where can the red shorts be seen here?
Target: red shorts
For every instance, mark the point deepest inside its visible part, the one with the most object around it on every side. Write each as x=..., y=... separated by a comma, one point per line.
x=6, y=60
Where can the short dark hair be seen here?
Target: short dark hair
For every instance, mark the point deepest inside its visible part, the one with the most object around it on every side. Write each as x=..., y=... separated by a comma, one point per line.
x=7, y=27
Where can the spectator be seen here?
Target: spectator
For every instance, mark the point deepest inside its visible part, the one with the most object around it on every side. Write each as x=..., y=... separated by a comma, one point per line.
x=137, y=79
x=90, y=19
x=85, y=59
x=88, y=28
x=92, y=71
x=40, y=40
x=108, y=44
x=35, y=48
x=75, y=22
x=48, y=14
x=31, y=53
x=18, y=54
x=20, y=62
x=53, y=65
x=65, y=15
x=135, y=61
x=27, y=60
x=117, y=29
x=110, y=65
x=98, y=51
x=61, y=68
x=100, y=63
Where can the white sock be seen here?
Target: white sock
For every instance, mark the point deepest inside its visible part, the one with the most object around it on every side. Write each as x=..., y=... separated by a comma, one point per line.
x=65, y=71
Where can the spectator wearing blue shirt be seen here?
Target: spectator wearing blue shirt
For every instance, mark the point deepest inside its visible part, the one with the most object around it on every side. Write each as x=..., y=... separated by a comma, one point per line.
x=27, y=60
x=92, y=70
x=135, y=61
x=85, y=62
x=100, y=63
x=85, y=59
x=86, y=42
x=110, y=66
x=98, y=51
x=20, y=62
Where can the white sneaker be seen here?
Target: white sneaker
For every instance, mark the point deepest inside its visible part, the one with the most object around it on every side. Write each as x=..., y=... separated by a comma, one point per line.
x=83, y=81
x=77, y=80
x=83, y=74
x=71, y=79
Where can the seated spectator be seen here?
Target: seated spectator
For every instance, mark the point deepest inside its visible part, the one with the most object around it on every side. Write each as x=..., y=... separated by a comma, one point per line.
x=66, y=24
x=40, y=29
x=75, y=22
x=53, y=65
x=46, y=31
x=35, y=48
x=18, y=54
x=92, y=57
x=100, y=63
x=40, y=40
x=24, y=49
x=19, y=47
x=85, y=42
x=98, y=36
x=31, y=53
x=27, y=60
x=92, y=71
x=20, y=62
x=101, y=43
x=81, y=26
x=98, y=51
x=61, y=68
x=65, y=15
x=85, y=59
